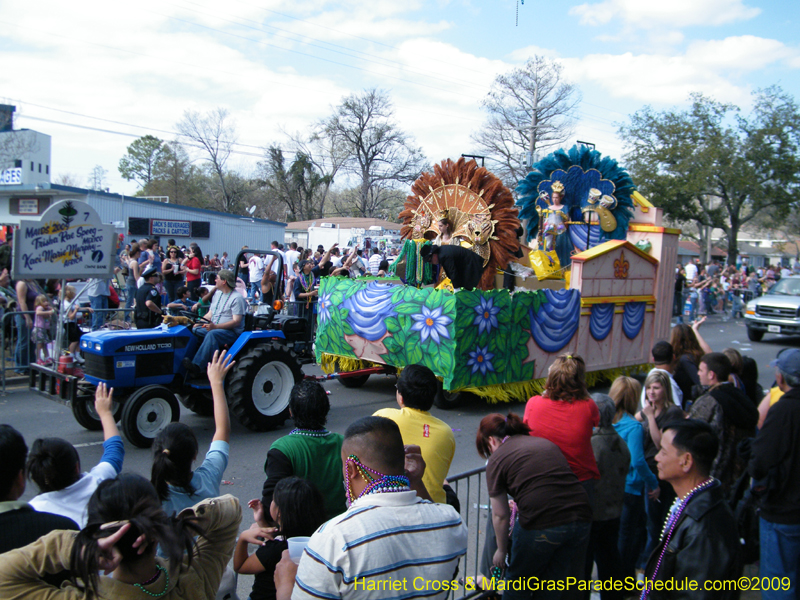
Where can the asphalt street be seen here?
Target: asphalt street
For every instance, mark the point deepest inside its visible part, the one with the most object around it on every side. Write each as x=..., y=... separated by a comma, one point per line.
x=36, y=416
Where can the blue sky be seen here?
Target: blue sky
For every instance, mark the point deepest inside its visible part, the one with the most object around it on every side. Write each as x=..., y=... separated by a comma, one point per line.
x=280, y=66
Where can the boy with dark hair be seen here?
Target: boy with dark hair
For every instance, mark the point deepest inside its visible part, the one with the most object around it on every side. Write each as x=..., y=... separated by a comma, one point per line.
x=730, y=413
x=701, y=525
x=416, y=388
x=309, y=451
x=19, y=522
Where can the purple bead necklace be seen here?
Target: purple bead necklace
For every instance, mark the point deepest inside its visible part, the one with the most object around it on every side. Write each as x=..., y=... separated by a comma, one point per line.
x=669, y=529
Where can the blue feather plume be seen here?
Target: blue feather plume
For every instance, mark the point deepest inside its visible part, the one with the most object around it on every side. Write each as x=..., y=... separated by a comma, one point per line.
x=587, y=159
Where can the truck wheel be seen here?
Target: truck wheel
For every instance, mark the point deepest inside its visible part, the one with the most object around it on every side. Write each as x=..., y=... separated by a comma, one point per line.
x=261, y=385
x=754, y=335
x=148, y=411
x=354, y=382
x=449, y=400
x=87, y=417
x=199, y=402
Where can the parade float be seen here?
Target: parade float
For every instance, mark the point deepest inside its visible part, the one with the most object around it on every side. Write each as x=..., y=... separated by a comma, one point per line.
x=593, y=277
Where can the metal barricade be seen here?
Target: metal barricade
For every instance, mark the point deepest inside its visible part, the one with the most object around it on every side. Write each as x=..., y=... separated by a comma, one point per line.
x=15, y=356
x=471, y=490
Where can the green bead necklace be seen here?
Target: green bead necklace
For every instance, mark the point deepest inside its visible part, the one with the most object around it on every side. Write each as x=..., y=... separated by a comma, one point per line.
x=166, y=584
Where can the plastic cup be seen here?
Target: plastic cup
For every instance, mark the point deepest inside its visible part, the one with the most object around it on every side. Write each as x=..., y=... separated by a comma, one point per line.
x=175, y=269
x=296, y=547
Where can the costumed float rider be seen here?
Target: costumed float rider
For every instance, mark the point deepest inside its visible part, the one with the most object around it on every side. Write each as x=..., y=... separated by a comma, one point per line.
x=148, y=301
x=553, y=219
x=463, y=266
x=223, y=323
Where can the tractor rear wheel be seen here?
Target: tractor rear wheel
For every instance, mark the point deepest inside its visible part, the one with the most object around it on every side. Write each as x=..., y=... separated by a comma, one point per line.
x=261, y=385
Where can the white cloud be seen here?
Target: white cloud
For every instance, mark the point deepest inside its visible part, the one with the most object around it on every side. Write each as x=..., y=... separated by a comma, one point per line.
x=668, y=79
x=652, y=14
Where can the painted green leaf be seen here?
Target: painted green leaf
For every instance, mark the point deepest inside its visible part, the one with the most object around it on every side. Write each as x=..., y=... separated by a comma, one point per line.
x=392, y=324
x=414, y=354
x=391, y=345
x=408, y=309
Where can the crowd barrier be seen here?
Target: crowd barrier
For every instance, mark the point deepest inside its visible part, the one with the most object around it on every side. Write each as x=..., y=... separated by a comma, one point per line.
x=730, y=304
x=470, y=487
x=17, y=354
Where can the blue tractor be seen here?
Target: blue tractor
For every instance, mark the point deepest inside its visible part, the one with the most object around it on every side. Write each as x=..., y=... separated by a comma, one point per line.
x=144, y=368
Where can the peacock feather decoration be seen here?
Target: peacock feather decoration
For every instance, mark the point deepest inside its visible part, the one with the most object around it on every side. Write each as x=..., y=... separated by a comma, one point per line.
x=585, y=174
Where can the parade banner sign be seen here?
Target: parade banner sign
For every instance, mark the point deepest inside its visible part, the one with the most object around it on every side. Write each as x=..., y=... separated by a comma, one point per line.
x=69, y=241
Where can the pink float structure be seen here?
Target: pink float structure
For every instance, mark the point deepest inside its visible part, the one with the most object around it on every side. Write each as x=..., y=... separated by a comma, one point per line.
x=609, y=303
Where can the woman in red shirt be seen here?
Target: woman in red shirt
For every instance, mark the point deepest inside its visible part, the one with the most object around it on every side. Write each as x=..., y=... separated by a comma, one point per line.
x=565, y=415
x=193, y=264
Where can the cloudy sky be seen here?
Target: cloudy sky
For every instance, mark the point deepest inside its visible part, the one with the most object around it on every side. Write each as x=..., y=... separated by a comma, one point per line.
x=95, y=75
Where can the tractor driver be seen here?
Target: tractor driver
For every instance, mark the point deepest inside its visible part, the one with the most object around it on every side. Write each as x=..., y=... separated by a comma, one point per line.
x=148, y=301
x=225, y=322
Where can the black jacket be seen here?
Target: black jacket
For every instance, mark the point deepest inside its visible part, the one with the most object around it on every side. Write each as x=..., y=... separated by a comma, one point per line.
x=775, y=459
x=704, y=547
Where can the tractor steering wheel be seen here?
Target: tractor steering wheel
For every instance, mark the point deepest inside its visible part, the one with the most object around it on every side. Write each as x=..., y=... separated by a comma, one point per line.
x=195, y=319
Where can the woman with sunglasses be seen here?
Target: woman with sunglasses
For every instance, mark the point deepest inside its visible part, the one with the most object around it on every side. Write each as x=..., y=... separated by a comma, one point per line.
x=173, y=272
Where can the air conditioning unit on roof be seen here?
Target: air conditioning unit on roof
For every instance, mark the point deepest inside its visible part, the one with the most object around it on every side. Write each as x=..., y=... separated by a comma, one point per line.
x=328, y=225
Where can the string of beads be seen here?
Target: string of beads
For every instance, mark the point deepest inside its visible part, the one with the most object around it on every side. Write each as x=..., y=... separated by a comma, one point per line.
x=669, y=527
x=378, y=483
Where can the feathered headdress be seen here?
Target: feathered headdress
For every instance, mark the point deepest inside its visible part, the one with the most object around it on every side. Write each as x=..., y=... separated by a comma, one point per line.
x=478, y=206
x=594, y=172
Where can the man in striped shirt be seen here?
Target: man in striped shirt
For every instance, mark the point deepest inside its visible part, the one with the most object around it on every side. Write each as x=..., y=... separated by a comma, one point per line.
x=390, y=543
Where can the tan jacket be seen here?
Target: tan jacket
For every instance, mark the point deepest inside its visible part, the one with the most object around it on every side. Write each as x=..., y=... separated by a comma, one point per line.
x=20, y=570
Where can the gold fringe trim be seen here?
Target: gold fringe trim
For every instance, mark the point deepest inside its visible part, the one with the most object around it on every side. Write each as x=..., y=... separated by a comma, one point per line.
x=330, y=363
x=521, y=391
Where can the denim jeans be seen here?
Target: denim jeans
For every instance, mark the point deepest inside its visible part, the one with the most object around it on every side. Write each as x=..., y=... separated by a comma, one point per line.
x=130, y=298
x=255, y=288
x=780, y=557
x=171, y=287
x=214, y=340
x=22, y=351
x=546, y=554
x=98, y=318
x=632, y=532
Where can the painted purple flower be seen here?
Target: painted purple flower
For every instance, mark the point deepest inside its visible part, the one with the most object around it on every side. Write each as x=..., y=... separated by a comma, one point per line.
x=324, y=307
x=486, y=318
x=431, y=323
x=481, y=360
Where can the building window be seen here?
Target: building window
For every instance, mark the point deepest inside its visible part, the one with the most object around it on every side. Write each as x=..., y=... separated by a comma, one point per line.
x=17, y=164
x=31, y=166
x=47, y=169
x=40, y=167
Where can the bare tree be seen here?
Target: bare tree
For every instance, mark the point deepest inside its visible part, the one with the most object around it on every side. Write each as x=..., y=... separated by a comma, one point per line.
x=68, y=179
x=215, y=134
x=15, y=146
x=531, y=108
x=379, y=154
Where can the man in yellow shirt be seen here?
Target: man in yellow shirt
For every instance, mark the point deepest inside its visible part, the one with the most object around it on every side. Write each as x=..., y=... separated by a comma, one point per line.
x=416, y=388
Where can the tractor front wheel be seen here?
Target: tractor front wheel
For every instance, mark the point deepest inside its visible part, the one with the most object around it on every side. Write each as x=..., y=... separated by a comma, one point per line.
x=148, y=411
